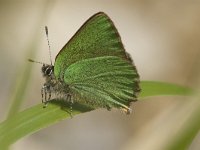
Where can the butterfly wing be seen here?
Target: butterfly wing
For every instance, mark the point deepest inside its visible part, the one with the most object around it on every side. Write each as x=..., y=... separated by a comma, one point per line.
x=106, y=81
x=97, y=37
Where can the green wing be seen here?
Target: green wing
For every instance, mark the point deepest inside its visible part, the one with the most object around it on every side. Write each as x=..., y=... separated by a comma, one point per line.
x=97, y=37
x=107, y=81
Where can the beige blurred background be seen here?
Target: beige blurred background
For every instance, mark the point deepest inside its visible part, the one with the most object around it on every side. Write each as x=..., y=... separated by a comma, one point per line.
x=163, y=38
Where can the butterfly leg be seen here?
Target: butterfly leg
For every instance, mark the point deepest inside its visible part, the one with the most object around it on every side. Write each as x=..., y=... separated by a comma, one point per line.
x=69, y=98
x=44, y=92
x=49, y=98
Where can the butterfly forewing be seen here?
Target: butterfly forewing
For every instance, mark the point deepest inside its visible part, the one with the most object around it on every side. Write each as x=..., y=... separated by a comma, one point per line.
x=97, y=37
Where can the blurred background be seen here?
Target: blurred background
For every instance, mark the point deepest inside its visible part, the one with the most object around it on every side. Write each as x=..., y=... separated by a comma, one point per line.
x=163, y=39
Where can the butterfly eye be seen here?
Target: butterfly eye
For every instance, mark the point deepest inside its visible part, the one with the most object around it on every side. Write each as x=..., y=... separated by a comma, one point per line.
x=49, y=70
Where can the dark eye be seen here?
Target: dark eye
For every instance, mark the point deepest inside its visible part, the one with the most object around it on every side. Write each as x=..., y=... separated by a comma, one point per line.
x=49, y=71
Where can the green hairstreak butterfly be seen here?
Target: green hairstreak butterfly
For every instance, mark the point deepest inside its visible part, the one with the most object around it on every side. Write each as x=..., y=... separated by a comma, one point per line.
x=93, y=68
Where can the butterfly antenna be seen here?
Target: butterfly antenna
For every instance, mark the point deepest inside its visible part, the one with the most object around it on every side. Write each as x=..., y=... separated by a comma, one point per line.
x=47, y=35
x=31, y=60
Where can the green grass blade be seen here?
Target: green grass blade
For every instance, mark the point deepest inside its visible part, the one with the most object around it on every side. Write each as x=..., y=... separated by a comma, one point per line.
x=37, y=117
x=157, y=88
x=34, y=119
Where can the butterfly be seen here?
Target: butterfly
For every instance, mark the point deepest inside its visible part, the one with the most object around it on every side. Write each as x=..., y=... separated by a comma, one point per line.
x=93, y=68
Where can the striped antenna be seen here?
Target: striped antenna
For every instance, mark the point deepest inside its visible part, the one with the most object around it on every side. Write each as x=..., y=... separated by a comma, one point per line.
x=47, y=35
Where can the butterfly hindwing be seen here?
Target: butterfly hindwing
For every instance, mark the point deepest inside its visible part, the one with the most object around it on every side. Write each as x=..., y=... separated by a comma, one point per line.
x=106, y=81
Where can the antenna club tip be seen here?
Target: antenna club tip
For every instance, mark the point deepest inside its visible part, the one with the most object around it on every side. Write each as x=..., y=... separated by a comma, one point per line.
x=31, y=60
x=46, y=30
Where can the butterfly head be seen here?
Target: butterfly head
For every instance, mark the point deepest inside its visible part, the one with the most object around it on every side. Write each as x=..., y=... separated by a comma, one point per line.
x=47, y=70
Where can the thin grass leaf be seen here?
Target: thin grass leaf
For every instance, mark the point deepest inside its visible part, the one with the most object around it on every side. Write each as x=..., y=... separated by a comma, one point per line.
x=157, y=88
x=35, y=118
